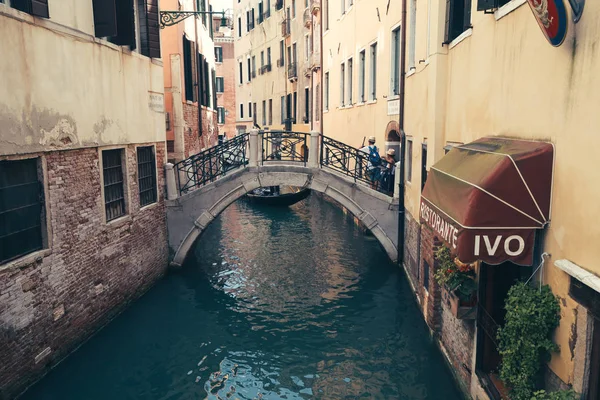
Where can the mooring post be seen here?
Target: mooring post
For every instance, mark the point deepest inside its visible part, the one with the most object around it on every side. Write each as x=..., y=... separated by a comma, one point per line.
x=171, y=182
x=314, y=150
x=253, y=141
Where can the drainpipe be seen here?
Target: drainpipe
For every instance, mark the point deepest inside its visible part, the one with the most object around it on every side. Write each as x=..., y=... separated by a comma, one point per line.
x=199, y=78
x=401, y=208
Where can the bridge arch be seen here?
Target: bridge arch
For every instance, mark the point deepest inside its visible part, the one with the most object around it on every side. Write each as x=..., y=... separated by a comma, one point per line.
x=189, y=215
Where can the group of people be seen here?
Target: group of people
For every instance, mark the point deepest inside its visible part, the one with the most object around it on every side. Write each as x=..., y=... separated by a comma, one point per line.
x=380, y=170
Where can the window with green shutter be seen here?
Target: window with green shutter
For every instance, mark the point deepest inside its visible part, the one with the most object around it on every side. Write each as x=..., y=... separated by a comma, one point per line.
x=146, y=175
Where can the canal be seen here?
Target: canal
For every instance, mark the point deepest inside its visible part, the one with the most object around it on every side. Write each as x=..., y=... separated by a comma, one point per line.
x=291, y=303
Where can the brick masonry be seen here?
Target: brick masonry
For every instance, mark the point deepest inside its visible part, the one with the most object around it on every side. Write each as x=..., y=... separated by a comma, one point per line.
x=90, y=271
x=227, y=70
x=193, y=141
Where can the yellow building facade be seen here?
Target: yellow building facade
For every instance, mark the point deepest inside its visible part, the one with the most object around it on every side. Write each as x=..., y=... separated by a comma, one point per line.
x=483, y=69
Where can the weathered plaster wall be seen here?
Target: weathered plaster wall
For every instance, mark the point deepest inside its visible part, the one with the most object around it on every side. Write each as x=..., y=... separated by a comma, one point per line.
x=65, y=89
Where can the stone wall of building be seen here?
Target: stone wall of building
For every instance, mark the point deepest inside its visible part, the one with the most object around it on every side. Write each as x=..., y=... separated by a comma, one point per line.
x=411, y=246
x=54, y=299
x=194, y=143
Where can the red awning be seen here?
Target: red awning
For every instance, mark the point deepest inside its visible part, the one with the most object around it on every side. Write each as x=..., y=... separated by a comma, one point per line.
x=485, y=199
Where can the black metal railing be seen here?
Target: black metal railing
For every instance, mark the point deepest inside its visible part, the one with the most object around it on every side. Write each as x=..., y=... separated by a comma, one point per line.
x=487, y=323
x=292, y=71
x=211, y=164
x=284, y=146
x=354, y=163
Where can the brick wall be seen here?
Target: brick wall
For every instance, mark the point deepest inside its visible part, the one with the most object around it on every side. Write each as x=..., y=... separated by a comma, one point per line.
x=90, y=271
x=193, y=142
x=227, y=69
x=411, y=246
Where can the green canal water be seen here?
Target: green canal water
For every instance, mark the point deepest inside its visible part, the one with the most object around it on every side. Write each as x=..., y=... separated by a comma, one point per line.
x=292, y=303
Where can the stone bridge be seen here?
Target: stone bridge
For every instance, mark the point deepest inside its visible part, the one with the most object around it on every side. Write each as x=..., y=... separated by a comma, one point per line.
x=193, y=203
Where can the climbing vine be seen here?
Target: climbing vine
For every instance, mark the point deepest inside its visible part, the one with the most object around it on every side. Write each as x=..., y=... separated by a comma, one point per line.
x=524, y=342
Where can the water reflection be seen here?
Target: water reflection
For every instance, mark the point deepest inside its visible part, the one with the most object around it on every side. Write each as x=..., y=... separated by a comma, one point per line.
x=291, y=303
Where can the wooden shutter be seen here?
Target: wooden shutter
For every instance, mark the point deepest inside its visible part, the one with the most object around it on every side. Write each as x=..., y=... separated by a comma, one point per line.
x=105, y=18
x=467, y=15
x=39, y=8
x=483, y=5
x=149, y=29
x=214, y=92
x=449, y=18
x=125, y=24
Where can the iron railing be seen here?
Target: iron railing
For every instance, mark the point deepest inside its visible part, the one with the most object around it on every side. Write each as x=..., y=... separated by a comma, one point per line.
x=284, y=146
x=211, y=164
x=292, y=71
x=286, y=28
x=354, y=163
x=487, y=323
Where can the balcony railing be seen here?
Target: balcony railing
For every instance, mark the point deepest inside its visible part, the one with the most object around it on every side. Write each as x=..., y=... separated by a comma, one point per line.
x=265, y=68
x=315, y=61
x=286, y=28
x=285, y=146
x=293, y=71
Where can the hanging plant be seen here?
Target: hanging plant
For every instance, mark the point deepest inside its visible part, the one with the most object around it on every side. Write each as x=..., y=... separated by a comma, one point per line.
x=524, y=342
x=456, y=276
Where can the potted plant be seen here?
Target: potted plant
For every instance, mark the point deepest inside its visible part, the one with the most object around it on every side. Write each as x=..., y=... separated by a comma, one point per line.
x=458, y=280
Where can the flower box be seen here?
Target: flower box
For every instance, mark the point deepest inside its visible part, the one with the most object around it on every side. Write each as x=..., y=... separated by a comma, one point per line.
x=460, y=309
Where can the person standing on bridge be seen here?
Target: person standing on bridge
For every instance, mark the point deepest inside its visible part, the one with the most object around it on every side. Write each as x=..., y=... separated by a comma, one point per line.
x=374, y=162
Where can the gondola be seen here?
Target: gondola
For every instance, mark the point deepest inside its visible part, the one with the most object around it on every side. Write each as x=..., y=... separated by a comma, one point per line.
x=265, y=197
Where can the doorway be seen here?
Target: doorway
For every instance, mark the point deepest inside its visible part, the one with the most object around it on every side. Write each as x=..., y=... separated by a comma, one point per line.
x=594, y=385
x=494, y=283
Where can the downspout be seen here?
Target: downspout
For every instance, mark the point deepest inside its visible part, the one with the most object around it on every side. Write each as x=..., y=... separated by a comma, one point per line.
x=198, y=77
x=401, y=208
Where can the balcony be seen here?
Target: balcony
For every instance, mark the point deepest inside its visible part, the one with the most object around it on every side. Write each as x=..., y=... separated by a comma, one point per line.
x=286, y=28
x=315, y=6
x=266, y=68
x=280, y=62
x=307, y=19
x=293, y=71
x=315, y=61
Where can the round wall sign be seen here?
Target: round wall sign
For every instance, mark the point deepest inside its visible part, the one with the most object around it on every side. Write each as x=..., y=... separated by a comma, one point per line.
x=551, y=16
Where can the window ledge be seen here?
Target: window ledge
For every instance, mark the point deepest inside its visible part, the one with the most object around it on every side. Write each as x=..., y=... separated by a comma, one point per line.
x=411, y=72
x=325, y=111
x=360, y=104
x=26, y=260
x=587, y=278
x=508, y=8
x=148, y=206
x=460, y=38
x=372, y=101
x=120, y=221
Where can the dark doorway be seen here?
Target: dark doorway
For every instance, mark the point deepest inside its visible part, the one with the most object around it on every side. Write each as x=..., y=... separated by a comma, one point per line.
x=594, y=386
x=494, y=283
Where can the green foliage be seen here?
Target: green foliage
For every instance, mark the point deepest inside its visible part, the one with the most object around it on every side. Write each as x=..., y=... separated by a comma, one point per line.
x=456, y=279
x=560, y=395
x=524, y=342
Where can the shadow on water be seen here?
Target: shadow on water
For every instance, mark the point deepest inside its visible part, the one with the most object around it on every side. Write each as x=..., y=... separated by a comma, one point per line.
x=274, y=303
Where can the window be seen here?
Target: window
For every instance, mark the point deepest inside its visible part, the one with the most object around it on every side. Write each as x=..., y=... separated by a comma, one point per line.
x=293, y=8
x=350, y=3
x=264, y=112
x=306, y=105
x=373, y=73
x=326, y=100
x=423, y=165
x=395, y=72
x=22, y=217
x=361, y=77
x=188, y=70
x=318, y=103
x=282, y=109
x=253, y=66
x=260, y=12
x=306, y=47
x=254, y=116
x=249, y=110
x=262, y=61
x=281, y=62
x=343, y=3
x=241, y=111
x=270, y=112
x=409, y=151
x=249, y=70
x=220, y=115
x=39, y=8
x=485, y=5
x=146, y=175
x=350, y=76
x=426, y=275
x=268, y=9
x=220, y=84
x=458, y=18
x=343, y=85
x=114, y=189
x=412, y=41
x=241, y=73
x=577, y=7
x=326, y=14
x=239, y=27
x=218, y=54
x=295, y=111
x=269, y=58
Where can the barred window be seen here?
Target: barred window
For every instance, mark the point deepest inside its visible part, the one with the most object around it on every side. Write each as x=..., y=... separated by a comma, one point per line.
x=114, y=191
x=146, y=175
x=21, y=209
